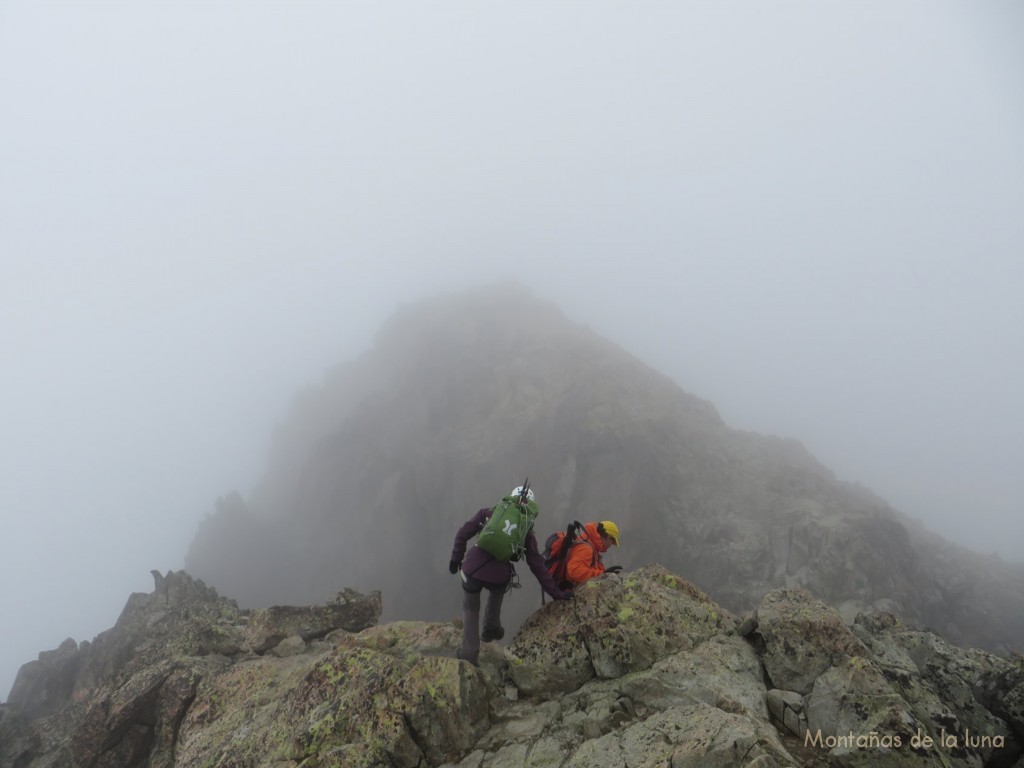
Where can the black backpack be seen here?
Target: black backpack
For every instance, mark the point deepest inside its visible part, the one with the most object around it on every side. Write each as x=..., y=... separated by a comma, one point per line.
x=556, y=553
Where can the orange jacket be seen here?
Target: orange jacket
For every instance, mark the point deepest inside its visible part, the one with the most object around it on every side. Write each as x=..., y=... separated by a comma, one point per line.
x=584, y=560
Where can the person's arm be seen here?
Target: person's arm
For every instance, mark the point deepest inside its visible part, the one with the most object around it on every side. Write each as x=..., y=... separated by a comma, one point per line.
x=536, y=563
x=468, y=530
x=583, y=563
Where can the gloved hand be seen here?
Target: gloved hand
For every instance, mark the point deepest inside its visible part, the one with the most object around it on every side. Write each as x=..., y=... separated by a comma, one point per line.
x=613, y=569
x=562, y=596
x=453, y=566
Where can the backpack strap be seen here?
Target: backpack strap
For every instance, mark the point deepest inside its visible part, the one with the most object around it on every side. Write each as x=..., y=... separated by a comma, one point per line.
x=561, y=561
x=482, y=524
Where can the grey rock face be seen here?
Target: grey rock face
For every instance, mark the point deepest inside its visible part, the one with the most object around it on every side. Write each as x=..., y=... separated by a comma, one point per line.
x=787, y=707
x=350, y=611
x=121, y=699
x=614, y=625
x=399, y=446
x=664, y=677
x=689, y=737
x=802, y=638
x=44, y=686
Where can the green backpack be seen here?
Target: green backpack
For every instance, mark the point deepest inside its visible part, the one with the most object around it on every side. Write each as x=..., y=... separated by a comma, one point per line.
x=504, y=535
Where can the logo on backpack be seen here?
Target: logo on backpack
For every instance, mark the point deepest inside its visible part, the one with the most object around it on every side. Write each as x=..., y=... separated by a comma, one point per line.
x=504, y=534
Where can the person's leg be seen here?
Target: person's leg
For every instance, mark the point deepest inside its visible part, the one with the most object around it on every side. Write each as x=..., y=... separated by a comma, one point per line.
x=470, y=650
x=492, y=615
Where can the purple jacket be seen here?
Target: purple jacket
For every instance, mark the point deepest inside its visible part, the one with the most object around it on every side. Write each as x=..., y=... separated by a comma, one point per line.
x=479, y=564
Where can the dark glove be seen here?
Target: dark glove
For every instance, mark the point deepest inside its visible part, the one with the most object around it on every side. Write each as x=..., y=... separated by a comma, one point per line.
x=453, y=566
x=562, y=596
x=613, y=569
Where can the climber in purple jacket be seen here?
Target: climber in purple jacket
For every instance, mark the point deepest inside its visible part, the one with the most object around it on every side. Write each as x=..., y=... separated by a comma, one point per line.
x=478, y=571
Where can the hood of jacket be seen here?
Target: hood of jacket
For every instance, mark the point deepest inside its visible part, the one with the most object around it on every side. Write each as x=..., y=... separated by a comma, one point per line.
x=595, y=537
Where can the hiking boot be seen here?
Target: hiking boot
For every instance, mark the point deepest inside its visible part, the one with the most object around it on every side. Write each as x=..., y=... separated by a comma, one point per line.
x=458, y=655
x=492, y=634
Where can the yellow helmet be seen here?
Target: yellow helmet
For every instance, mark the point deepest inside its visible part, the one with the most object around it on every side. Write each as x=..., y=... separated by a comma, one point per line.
x=611, y=530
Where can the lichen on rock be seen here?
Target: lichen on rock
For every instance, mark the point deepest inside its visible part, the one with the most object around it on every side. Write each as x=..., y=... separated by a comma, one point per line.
x=567, y=643
x=639, y=669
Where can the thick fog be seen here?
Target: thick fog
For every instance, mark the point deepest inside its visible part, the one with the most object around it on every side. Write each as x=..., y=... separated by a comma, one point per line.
x=810, y=214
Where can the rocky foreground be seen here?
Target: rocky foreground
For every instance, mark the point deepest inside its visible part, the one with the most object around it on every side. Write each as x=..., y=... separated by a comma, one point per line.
x=640, y=669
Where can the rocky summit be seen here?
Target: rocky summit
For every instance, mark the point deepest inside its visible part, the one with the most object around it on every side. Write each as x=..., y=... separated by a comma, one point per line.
x=640, y=669
x=461, y=397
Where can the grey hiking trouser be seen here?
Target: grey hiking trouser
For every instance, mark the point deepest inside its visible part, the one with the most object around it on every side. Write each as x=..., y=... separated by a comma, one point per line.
x=471, y=589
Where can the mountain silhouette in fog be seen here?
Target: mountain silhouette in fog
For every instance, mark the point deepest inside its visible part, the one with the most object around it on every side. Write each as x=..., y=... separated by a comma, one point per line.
x=463, y=396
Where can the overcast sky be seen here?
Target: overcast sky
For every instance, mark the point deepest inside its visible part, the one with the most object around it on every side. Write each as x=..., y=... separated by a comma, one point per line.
x=811, y=214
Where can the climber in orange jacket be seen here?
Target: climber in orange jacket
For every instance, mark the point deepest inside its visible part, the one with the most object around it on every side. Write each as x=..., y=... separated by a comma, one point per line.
x=584, y=559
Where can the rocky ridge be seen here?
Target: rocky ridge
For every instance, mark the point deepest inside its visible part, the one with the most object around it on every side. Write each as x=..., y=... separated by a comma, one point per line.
x=640, y=668
x=461, y=397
